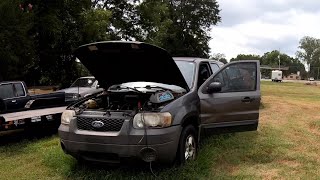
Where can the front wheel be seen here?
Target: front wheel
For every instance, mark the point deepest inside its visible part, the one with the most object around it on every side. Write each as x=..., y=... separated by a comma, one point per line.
x=188, y=145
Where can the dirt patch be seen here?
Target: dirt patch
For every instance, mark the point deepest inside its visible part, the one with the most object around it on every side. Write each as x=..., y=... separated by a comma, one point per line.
x=269, y=174
x=315, y=125
x=290, y=163
x=224, y=166
x=277, y=112
x=311, y=83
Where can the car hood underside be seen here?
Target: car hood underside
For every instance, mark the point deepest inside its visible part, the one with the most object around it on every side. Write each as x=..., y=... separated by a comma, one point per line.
x=116, y=62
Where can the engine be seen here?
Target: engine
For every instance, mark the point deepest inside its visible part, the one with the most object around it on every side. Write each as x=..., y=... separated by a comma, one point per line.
x=129, y=101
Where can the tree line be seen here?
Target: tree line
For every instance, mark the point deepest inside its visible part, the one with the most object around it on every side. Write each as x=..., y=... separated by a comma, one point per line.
x=307, y=60
x=37, y=37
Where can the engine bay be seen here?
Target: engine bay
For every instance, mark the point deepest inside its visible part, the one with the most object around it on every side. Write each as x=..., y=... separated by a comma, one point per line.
x=128, y=101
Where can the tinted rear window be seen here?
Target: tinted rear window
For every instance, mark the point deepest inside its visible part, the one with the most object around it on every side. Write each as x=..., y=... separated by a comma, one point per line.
x=6, y=91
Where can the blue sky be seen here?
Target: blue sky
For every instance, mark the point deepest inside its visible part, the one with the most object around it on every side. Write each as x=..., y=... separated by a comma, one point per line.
x=256, y=26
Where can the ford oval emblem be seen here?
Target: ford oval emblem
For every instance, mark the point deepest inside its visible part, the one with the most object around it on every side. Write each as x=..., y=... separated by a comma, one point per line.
x=97, y=124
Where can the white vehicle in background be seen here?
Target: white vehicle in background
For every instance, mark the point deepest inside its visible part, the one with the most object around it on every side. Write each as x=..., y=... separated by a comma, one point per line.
x=82, y=87
x=311, y=79
x=276, y=76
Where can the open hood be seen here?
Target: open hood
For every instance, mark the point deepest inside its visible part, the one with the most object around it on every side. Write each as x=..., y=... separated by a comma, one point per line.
x=116, y=62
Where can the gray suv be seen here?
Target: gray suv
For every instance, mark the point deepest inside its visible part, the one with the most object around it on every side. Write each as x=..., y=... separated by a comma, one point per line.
x=155, y=107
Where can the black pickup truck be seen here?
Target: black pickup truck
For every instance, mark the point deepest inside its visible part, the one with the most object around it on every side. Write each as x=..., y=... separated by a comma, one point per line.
x=18, y=107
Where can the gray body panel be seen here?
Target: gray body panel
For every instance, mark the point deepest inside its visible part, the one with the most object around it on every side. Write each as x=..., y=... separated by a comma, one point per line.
x=128, y=142
x=203, y=110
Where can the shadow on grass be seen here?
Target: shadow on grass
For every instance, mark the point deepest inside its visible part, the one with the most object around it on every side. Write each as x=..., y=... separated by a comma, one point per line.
x=218, y=155
x=19, y=142
x=262, y=105
x=14, y=137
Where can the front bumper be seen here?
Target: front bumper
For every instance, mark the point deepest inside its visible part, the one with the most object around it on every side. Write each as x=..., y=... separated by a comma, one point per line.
x=114, y=146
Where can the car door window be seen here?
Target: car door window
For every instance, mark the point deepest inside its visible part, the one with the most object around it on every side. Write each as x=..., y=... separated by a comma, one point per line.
x=6, y=91
x=238, y=77
x=214, y=67
x=19, y=90
x=204, y=73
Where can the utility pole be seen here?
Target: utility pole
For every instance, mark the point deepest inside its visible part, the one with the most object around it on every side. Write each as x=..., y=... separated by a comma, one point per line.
x=279, y=60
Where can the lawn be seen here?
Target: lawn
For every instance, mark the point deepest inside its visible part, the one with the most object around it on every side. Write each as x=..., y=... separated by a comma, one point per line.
x=286, y=146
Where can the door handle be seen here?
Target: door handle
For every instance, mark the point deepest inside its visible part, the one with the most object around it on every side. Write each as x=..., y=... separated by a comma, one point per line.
x=247, y=100
x=14, y=101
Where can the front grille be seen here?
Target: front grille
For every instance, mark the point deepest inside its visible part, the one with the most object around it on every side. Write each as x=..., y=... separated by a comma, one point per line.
x=109, y=124
x=69, y=95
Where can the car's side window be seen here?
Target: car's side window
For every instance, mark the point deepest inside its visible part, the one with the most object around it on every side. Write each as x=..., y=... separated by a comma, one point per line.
x=6, y=91
x=214, y=67
x=238, y=77
x=204, y=73
x=19, y=89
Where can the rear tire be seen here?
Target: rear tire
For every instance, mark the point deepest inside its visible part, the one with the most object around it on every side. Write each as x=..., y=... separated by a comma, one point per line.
x=188, y=145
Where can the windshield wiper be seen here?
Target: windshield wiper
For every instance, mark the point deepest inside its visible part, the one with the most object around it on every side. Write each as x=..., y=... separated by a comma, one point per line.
x=126, y=87
x=157, y=87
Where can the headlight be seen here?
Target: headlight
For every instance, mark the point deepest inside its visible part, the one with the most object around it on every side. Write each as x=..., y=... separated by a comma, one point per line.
x=153, y=120
x=66, y=116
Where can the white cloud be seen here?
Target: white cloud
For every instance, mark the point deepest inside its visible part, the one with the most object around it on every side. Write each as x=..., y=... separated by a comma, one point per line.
x=255, y=27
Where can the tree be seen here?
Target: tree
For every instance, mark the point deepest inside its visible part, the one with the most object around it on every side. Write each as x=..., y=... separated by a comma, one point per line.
x=38, y=37
x=219, y=57
x=16, y=42
x=310, y=53
x=272, y=59
x=309, y=50
x=95, y=24
x=182, y=27
x=59, y=27
x=124, y=20
x=223, y=60
x=245, y=57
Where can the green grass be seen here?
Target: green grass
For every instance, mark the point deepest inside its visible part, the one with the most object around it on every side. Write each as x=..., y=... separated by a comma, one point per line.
x=286, y=146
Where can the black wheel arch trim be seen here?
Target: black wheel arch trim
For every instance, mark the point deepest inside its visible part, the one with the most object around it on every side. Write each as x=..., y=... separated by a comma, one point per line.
x=193, y=117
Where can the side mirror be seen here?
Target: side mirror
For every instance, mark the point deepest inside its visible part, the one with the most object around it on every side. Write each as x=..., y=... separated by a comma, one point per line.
x=214, y=87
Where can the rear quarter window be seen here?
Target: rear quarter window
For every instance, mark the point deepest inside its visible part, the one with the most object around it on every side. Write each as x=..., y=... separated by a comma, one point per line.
x=19, y=89
x=214, y=67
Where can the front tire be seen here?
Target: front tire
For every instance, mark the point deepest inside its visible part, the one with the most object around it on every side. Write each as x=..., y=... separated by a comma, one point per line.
x=188, y=145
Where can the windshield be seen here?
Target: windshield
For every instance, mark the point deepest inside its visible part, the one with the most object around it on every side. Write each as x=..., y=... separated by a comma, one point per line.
x=187, y=70
x=83, y=82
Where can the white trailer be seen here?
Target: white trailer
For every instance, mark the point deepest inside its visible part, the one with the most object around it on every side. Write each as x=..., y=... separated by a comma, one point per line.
x=18, y=120
x=276, y=76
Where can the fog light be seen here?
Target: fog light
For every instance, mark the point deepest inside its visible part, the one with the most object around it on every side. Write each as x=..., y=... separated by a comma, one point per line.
x=148, y=154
